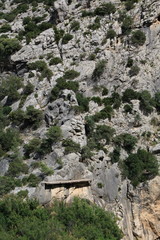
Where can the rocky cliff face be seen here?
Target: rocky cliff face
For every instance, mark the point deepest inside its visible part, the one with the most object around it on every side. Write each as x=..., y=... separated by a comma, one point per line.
x=98, y=51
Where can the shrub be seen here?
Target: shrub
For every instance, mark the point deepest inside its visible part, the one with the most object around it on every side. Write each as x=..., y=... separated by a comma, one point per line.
x=87, y=13
x=129, y=94
x=104, y=91
x=157, y=101
x=142, y=164
x=5, y=28
x=91, y=57
x=86, y=153
x=98, y=71
x=44, y=148
x=115, y=155
x=116, y=100
x=32, y=146
x=45, y=169
x=96, y=25
x=16, y=166
x=111, y=34
x=70, y=146
x=71, y=74
x=7, y=184
x=28, y=89
x=129, y=62
x=83, y=102
x=134, y=70
x=146, y=102
x=54, y=134
x=138, y=38
x=17, y=117
x=78, y=220
x=97, y=100
x=104, y=132
x=89, y=125
x=55, y=61
x=75, y=25
x=126, y=141
x=127, y=25
x=128, y=108
x=33, y=117
x=9, y=139
x=105, y=9
x=61, y=85
x=106, y=112
x=41, y=66
x=58, y=34
x=66, y=38
x=7, y=48
x=9, y=88
x=129, y=4
x=32, y=180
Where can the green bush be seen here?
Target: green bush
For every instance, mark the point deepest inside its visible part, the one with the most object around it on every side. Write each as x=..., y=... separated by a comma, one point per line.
x=104, y=91
x=32, y=180
x=129, y=94
x=157, y=101
x=126, y=141
x=32, y=29
x=106, y=112
x=129, y=4
x=7, y=184
x=75, y=25
x=127, y=25
x=28, y=89
x=128, y=108
x=44, y=148
x=115, y=155
x=54, y=134
x=138, y=38
x=41, y=66
x=140, y=166
x=111, y=34
x=70, y=146
x=83, y=103
x=61, y=85
x=134, y=70
x=96, y=25
x=5, y=28
x=16, y=166
x=99, y=69
x=97, y=100
x=58, y=34
x=32, y=146
x=46, y=170
x=9, y=139
x=9, y=87
x=86, y=153
x=89, y=125
x=146, y=102
x=55, y=61
x=129, y=62
x=105, y=9
x=33, y=117
x=104, y=132
x=66, y=38
x=71, y=74
x=17, y=117
x=7, y=48
x=87, y=13
x=91, y=57
x=77, y=220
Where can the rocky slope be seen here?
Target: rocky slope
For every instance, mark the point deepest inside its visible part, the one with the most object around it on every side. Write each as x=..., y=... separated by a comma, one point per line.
x=99, y=52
